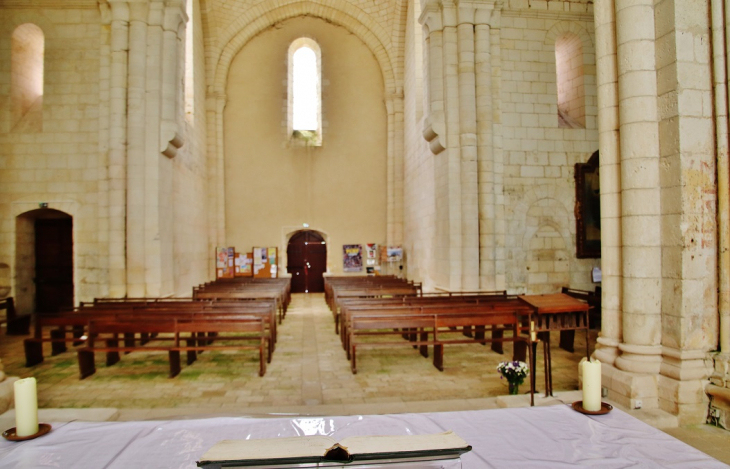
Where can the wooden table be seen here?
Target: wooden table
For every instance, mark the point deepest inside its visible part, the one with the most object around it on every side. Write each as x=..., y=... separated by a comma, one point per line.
x=554, y=312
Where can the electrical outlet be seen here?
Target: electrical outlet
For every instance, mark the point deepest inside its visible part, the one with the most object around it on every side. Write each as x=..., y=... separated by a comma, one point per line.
x=604, y=391
x=638, y=404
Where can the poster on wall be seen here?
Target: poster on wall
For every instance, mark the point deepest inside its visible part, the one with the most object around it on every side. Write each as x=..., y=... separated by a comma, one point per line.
x=372, y=251
x=258, y=260
x=272, y=256
x=395, y=253
x=221, y=258
x=351, y=257
x=224, y=262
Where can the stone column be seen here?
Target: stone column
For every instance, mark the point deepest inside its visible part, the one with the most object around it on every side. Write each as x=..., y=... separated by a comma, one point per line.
x=687, y=143
x=485, y=155
x=500, y=224
x=136, y=125
x=434, y=127
x=640, y=192
x=720, y=69
x=117, y=172
x=155, y=238
x=468, y=149
x=390, y=172
x=451, y=201
x=610, y=171
x=103, y=174
x=214, y=105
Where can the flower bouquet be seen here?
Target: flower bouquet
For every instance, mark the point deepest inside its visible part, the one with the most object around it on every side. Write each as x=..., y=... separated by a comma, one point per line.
x=515, y=372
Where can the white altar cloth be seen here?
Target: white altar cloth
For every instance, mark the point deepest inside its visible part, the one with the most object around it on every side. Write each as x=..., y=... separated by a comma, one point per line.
x=533, y=437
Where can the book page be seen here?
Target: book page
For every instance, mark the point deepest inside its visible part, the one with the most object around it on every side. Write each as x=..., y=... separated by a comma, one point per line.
x=397, y=444
x=271, y=448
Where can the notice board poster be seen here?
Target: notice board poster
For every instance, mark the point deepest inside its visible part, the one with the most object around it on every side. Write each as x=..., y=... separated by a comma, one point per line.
x=224, y=262
x=244, y=264
x=352, y=258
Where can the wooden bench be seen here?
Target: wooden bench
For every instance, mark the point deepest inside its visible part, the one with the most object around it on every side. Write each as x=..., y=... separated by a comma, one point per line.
x=446, y=302
x=433, y=330
x=109, y=332
x=77, y=322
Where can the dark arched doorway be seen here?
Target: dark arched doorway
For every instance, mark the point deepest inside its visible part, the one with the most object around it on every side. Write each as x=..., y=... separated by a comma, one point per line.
x=44, y=245
x=307, y=261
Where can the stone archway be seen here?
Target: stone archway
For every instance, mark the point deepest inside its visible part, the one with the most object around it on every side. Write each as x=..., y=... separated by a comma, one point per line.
x=44, y=261
x=307, y=261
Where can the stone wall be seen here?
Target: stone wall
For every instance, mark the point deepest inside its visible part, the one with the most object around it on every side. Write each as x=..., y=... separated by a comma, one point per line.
x=56, y=162
x=419, y=195
x=273, y=184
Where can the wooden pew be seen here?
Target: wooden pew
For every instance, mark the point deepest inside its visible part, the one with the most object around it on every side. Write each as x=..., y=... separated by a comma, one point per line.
x=433, y=329
x=77, y=321
x=389, y=304
x=108, y=331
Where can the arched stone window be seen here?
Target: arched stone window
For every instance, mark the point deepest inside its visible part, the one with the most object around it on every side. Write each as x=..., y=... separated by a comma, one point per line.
x=571, y=88
x=26, y=78
x=305, y=92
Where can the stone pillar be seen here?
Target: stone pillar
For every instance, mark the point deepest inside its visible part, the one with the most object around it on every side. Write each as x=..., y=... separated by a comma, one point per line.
x=720, y=69
x=136, y=125
x=434, y=127
x=500, y=224
x=215, y=103
x=468, y=149
x=689, y=242
x=117, y=172
x=485, y=154
x=640, y=192
x=390, y=172
x=451, y=202
x=610, y=171
x=155, y=204
x=103, y=174
x=396, y=228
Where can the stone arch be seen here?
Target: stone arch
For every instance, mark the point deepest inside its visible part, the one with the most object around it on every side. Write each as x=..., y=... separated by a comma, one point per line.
x=535, y=220
x=288, y=233
x=562, y=197
x=26, y=279
x=348, y=16
x=563, y=27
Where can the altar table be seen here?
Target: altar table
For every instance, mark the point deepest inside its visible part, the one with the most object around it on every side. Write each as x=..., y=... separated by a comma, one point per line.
x=544, y=437
x=554, y=312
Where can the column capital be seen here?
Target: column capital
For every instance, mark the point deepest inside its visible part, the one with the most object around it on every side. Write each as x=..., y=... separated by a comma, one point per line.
x=174, y=15
x=431, y=16
x=119, y=10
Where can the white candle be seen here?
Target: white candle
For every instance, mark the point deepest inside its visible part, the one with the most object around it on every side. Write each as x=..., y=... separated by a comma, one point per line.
x=26, y=407
x=533, y=334
x=591, y=385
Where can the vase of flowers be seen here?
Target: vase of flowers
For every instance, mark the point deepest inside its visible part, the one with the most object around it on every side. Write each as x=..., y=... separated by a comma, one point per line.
x=515, y=373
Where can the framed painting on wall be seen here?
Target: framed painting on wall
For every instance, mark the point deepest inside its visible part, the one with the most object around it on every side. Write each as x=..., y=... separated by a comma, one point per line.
x=588, y=209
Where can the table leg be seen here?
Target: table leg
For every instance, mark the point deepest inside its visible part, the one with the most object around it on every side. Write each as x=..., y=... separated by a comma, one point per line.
x=532, y=352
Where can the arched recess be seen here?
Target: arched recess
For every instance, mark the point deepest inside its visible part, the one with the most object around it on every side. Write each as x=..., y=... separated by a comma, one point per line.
x=26, y=78
x=575, y=66
x=44, y=261
x=242, y=30
x=306, y=255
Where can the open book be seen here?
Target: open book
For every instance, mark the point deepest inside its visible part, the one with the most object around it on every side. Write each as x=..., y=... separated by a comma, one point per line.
x=321, y=449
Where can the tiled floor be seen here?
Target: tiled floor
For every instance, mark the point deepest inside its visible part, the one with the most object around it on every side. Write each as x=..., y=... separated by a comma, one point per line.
x=309, y=373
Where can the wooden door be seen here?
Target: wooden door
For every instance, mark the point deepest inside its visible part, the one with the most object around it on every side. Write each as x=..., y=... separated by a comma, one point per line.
x=307, y=261
x=54, y=287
